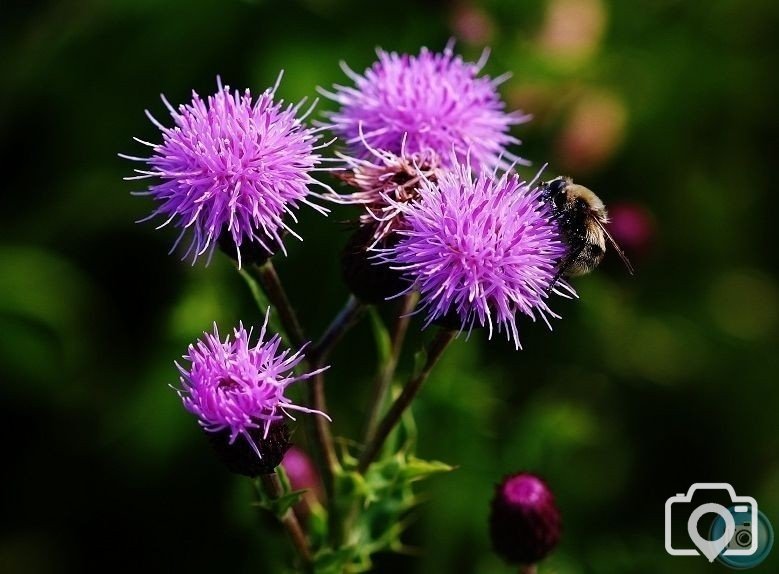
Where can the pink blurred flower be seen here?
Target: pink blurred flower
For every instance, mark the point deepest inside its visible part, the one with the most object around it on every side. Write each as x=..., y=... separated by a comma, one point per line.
x=303, y=475
x=573, y=28
x=593, y=132
x=472, y=24
x=632, y=226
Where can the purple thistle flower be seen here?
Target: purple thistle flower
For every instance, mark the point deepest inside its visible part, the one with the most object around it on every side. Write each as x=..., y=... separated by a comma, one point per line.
x=231, y=168
x=525, y=522
x=232, y=386
x=479, y=249
x=435, y=101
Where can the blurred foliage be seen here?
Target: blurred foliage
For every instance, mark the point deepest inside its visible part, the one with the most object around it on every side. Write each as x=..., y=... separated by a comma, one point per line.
x=648, y=383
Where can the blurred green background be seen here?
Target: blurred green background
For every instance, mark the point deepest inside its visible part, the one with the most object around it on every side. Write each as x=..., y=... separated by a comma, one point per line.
x=649, y=383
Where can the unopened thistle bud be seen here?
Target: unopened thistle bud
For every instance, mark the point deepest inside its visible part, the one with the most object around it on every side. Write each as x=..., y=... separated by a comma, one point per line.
x=524, y=522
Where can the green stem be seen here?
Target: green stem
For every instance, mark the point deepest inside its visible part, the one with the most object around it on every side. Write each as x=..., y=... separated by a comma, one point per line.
x=387, y=370
x=317, y=356
x=271, y=284
x=347, y=317
x=267, y=278
x=410, y=390
x=274, y=489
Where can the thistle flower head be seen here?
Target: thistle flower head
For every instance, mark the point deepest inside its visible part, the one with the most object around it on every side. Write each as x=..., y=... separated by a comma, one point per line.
x=384, y=180
x=435, y=101
x=232, y=385
x=525, y=523
x=483, y=249
x=232, y=167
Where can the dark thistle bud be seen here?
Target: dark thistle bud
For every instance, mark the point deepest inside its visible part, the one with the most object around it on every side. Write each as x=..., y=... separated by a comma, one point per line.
x=451, y=320
x=369, y=279
x=240, y=456
x=524, y=520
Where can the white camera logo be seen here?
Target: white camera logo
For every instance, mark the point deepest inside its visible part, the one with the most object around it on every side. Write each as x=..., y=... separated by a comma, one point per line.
x=712, y=548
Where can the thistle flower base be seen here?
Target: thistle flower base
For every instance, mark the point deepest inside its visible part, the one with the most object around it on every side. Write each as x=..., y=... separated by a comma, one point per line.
x=241, y=458
x=370, y=280
x=252, y=253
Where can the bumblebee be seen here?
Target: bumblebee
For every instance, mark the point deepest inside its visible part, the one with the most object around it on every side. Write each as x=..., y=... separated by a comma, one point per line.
x=582, y=218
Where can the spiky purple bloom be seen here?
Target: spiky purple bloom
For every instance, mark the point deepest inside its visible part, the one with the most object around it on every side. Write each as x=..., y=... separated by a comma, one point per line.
x=232, y=167
x=482, y=249
x=231, y=385
x=525, y=522
x=436, y=101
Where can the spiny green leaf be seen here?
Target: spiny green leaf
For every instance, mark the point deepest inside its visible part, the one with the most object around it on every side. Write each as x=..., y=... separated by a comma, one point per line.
x=280, y=506
x=417, y=468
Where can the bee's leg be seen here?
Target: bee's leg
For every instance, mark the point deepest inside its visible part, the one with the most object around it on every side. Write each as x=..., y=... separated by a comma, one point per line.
x=565, y=265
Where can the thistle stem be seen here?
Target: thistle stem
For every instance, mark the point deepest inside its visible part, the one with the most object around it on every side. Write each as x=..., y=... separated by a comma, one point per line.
x=273, y=488
x=410, y=390
x=387, y=370
x=271, y=283
x=528, y=569
x=317, y=356
x=347, y=317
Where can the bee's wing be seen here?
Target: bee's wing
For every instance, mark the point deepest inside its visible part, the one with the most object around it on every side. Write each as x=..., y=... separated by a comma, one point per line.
x=616, y=247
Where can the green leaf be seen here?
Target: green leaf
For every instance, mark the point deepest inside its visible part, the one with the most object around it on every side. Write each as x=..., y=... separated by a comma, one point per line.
x=280, y=506
x=417, y=468
x=286, y=485
x=287, y=501
x=317, y=526
x=350, y=485
x=333, y=561
x=381, y=335
x=420, y=360
x=403, y=437
x=261, y=300
x=352, y=559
